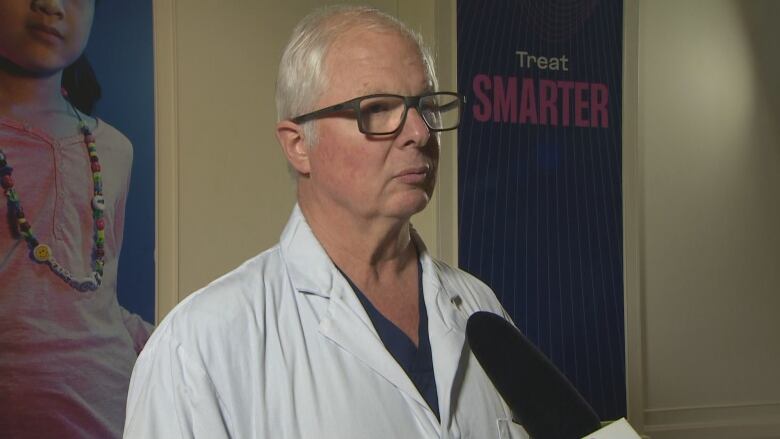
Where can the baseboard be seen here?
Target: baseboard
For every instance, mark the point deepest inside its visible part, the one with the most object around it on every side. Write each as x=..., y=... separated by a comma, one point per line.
x=760, y=420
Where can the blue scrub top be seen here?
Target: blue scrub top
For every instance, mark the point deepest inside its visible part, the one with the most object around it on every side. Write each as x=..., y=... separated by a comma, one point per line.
x=416, y=361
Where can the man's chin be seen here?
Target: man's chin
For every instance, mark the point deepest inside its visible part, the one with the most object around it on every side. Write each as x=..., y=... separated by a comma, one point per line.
x=414, y=204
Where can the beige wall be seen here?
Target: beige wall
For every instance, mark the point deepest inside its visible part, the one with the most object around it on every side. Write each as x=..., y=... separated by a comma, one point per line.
x=703, y=193
x=223, y=190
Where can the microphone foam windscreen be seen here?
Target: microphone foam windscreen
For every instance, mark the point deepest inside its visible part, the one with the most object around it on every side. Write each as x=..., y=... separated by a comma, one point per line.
x=541, y=398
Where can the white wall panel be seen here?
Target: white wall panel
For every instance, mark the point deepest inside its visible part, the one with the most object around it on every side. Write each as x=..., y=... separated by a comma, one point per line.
x=708, y=185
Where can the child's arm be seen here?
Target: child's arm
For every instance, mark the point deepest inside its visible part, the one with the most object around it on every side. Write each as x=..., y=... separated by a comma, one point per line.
x=138, y=328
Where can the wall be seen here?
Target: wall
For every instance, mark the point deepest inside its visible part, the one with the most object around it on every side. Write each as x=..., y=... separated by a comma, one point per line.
x=223, y=189
x=703, y=208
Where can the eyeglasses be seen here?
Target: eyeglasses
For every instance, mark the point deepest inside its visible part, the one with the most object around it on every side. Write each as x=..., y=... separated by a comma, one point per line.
x=383, y=114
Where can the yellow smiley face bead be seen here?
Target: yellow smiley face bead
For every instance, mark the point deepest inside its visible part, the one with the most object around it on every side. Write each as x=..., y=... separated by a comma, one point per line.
x=42, y=253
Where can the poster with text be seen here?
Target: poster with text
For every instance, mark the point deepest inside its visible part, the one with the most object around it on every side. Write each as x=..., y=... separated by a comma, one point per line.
x=539, y=178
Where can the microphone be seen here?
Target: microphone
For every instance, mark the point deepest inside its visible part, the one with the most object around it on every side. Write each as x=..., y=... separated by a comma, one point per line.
x=542, y=400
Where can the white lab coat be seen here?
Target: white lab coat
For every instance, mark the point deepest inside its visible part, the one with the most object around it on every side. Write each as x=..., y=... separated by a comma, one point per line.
x=282, y=348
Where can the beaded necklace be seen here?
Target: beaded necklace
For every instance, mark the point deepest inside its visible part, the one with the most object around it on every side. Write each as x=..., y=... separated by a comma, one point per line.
x=42, y=253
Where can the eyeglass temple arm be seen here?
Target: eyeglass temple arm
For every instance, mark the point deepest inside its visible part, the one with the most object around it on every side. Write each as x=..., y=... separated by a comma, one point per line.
x=322, y=111
x=454, y=104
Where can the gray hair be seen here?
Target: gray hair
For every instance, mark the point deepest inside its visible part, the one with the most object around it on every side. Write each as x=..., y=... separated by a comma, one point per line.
x=302, y=75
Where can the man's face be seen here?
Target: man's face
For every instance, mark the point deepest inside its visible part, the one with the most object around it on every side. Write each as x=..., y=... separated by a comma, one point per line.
x=44, y=36
x=373, y=176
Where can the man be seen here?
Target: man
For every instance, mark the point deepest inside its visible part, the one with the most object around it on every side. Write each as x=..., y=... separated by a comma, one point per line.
x=347, y=328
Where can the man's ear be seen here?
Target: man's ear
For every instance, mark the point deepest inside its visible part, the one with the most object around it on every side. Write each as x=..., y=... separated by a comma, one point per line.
x=291, y=138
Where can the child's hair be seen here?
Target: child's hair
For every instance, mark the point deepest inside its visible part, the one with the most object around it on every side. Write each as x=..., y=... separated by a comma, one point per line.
x=81, y=83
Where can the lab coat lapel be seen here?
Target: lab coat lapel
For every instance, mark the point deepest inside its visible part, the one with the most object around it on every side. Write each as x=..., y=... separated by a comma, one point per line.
x=447, y=347
x=345, y=323
x=348, y=326
x=447, y=332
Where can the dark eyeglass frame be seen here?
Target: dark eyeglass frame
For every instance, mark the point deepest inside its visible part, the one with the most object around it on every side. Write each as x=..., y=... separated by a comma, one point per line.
x=409, y=101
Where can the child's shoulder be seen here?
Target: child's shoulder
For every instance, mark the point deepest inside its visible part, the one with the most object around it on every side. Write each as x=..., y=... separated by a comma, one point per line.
x=106, y=136
x=105, y=130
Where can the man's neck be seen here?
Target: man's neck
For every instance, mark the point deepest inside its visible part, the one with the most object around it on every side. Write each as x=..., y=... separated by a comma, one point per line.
x=368, y=250
x=376, y=253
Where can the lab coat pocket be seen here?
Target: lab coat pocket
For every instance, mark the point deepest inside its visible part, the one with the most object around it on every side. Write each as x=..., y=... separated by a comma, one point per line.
x=509, y=430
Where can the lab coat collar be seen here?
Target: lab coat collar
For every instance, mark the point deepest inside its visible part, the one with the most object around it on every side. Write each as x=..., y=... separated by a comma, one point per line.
x=310, y=267
x=312, y=272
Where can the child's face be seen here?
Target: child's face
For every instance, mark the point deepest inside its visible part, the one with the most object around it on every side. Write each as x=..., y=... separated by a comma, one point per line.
x=42, y=37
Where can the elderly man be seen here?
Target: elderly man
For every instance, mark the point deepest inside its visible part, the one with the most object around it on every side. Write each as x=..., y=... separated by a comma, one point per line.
x=347, y=328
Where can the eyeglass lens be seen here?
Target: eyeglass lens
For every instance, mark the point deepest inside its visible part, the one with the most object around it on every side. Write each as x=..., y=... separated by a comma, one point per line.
x=385, y=114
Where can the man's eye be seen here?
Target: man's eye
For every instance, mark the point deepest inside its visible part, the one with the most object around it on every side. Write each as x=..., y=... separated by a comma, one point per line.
x=377, y=107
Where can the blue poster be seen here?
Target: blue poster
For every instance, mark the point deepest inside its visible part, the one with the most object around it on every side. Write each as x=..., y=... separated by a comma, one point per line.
x=121, y=51
x=539, y=178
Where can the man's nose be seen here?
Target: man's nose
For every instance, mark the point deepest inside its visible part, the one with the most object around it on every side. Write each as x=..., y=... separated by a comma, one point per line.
x=415, y=130
x=48, y=7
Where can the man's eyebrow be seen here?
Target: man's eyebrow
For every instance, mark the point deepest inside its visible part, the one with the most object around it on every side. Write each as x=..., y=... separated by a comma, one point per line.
x=373, y=90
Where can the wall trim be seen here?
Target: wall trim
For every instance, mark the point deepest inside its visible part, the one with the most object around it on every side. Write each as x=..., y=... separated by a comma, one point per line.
x=726, y=413
x=751, y=420
x=447, y=200
x=166, y=158
x=632, y=220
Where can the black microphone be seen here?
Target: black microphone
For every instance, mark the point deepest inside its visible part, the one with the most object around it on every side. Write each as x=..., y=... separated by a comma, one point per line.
x=542, y=400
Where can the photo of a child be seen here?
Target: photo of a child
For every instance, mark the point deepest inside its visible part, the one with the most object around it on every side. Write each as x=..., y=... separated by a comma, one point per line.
x=67, y=347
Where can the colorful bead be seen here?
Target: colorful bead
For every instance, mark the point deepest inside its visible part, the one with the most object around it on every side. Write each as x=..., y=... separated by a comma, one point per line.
x=99, y=203
x=7, y=181
x=100, y=223
x=42, y=253
x=56, y=267
x=100, y=252
x=95, y=167
x=5, y=169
